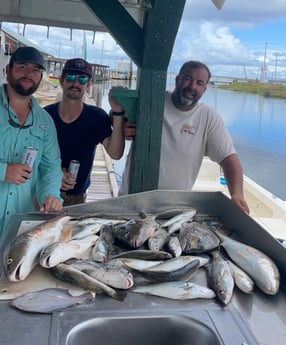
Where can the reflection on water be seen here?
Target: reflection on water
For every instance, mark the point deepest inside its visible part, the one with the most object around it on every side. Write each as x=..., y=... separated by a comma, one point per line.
x=254, y=118
x=257, y=125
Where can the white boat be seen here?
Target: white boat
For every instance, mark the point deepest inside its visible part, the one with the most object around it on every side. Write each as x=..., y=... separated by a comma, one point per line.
x=265, y=208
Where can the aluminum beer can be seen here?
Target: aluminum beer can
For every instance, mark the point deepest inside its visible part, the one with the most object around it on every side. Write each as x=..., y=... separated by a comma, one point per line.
x=30, y=156
x=74, y=167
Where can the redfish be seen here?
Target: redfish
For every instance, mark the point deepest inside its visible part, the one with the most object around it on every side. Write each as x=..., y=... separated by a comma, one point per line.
x=22, y=253
x=58, y=252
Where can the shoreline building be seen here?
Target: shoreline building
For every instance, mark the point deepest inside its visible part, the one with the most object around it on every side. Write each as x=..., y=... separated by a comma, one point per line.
x=10, y=41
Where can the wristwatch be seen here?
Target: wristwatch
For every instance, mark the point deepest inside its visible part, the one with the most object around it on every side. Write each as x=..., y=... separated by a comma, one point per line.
x=118, y=113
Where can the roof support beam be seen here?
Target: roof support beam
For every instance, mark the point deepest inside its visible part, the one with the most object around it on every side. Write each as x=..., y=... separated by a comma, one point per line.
x=122, y=27
x=150, y=47
x=160, y=30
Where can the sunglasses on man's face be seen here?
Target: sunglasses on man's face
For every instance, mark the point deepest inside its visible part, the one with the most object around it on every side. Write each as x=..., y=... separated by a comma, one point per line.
x=82, y=79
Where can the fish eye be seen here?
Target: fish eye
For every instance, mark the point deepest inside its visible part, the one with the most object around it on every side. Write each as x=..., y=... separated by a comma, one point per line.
x=9, y=261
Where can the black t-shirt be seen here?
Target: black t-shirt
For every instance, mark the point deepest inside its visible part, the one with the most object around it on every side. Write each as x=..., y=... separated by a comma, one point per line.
x=78, y=140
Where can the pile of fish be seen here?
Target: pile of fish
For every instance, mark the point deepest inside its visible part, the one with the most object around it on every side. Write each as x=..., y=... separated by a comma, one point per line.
x=149, y=254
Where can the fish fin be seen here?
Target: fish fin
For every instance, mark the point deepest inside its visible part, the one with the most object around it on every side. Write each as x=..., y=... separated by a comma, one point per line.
x=85, y=298
x=143, y=214
x=121, y=295
x=66, y=235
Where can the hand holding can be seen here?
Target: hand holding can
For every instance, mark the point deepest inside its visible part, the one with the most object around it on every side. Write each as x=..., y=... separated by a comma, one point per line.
x=29, y=156
x=73, y=168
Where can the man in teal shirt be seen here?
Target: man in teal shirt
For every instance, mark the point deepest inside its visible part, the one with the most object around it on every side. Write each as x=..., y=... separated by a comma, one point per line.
x=23, y=124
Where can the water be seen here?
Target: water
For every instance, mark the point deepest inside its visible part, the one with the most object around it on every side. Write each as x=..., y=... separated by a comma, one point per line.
x=257, y=126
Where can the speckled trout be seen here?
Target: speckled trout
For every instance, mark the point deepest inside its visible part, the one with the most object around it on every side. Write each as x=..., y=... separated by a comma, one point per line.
x=179, y=290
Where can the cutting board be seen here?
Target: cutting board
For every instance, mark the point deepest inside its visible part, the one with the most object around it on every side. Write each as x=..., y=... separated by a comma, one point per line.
x=40, y=278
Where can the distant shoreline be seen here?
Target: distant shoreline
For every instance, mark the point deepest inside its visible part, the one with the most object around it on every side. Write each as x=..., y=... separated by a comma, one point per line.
x=255, y=87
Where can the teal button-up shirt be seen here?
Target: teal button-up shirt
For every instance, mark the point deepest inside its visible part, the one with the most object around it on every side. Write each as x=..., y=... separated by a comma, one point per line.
x=46, y=176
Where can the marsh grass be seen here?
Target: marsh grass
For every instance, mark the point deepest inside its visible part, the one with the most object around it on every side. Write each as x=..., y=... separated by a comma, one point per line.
x=264, y=89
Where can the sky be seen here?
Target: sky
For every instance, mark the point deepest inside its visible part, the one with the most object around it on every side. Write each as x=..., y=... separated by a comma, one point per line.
x=238, y=41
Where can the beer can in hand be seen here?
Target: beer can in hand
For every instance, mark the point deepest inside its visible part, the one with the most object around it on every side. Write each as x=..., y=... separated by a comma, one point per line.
x=29, y=156
x=74, y=167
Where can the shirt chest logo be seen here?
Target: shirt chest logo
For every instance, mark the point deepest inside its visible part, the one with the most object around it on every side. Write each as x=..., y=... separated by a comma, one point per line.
x=188, y=129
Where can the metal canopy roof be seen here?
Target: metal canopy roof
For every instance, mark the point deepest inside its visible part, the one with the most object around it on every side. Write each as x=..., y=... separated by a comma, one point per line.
x=73, y=14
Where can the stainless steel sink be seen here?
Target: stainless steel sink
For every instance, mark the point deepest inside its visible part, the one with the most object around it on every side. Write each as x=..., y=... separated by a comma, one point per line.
x=151, y=330
x=140, y=320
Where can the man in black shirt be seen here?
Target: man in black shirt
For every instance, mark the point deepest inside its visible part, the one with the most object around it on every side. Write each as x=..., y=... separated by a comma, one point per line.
x=80, y=127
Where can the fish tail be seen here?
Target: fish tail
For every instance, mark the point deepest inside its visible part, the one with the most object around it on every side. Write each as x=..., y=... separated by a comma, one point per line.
x=86, y=298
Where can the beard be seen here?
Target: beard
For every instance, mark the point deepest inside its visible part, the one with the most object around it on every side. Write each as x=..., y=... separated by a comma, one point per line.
x=185, y=101
x=19, y=89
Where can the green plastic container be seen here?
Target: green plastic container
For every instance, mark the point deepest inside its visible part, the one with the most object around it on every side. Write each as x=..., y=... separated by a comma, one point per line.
x=128, y=100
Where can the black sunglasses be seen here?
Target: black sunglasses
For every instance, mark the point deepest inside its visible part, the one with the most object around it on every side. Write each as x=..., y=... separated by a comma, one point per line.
x=16, y=124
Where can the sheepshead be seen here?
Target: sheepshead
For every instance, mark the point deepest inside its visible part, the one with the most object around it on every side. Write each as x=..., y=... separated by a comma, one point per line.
x=241, y=279
x=256, y=264
x=100, y=251
x=174, y=223
x=136, y=231
x=178, y=290
x=110, y=274
x=175, y=271
x=220, y=277
x=159, y=238
x=58, y=252
x=22, y=253
x=173, y=245
x=49, y=300
x=72, y=275
x=197, y=238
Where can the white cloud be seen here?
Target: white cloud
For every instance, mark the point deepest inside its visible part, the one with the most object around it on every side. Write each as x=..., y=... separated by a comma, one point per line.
x=240, y=13
x=213, y=43
x=211, y=36
x=219, y=38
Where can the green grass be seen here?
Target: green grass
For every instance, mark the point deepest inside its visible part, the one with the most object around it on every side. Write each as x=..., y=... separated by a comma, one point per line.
x=264, y=89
